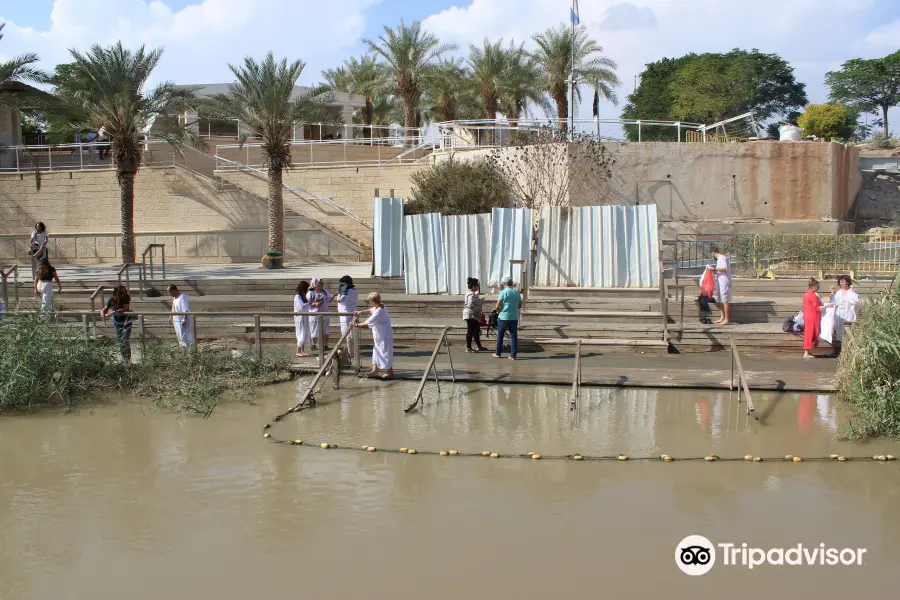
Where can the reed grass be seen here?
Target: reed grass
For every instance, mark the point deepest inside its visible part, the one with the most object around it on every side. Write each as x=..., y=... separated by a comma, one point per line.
x=869, y=370
x=43, y=362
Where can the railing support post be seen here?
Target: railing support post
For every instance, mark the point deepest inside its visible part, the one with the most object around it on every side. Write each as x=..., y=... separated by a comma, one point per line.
x=193, y=319
x=450, y=359
x=257, y=330
x=357, y=358
x=320, y=334
x=141, y=334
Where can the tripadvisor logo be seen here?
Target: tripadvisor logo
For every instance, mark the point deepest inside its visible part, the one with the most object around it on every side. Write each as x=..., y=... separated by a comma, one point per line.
x=696, y=555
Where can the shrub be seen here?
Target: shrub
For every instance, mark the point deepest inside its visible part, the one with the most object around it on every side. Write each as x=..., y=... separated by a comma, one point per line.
x=869, y=370
x=455, y=187
x=828, y=121
x=880, y=141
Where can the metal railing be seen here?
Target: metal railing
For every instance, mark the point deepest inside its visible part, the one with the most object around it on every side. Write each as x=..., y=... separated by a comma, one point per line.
x=430, y=368
x=126, y=271
x=4, y=276
x=339, y=153
x=743, y=386
x=576, y=377
x=149, y=251
x=775, y=254
x=85, y=156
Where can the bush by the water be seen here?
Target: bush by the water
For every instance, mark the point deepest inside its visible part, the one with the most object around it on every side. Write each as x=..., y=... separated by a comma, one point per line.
x=42, y=361
x=456, y=187
x=869, y=373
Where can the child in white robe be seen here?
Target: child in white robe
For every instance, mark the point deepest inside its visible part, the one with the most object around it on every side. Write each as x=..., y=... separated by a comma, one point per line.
x=301, y=322
x=379, y=322
x=182, y=323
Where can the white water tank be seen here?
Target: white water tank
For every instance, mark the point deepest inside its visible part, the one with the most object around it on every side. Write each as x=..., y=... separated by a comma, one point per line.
x=789, y=133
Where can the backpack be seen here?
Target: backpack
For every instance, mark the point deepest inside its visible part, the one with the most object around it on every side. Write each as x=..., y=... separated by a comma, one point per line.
x=788, y=325
x=493, y=319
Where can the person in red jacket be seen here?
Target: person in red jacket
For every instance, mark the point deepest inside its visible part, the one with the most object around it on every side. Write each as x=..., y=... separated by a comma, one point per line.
x=812, y=317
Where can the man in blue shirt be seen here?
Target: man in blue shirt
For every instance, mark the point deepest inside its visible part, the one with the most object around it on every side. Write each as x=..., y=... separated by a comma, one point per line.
x=508, y=318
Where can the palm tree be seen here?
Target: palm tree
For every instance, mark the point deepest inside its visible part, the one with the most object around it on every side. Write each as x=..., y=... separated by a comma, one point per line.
x=361, y=77
x=105, y=88
x=18, y=70
x=554, y=56
x=450, y=95
x=265, y=100
x=410, y=54
x=488, y=64
x=520, y=85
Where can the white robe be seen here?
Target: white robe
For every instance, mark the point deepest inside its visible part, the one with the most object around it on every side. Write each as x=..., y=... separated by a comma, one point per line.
x=723, y=279
x=845, y=303
x=182, y=323
x=301, y=323
x=314, y=321
x=347, y=303
x=383, y=338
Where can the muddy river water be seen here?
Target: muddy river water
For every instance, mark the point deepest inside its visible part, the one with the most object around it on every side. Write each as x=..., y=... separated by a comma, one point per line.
x=121, y=502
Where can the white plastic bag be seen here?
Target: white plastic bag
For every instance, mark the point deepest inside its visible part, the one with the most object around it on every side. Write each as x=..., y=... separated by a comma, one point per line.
x=789, y=133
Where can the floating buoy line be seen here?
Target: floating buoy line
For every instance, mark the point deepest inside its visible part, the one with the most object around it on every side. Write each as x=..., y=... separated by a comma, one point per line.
x=577, y=457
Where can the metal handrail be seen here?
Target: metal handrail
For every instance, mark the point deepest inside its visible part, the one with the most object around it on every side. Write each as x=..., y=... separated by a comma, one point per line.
x=4, y=275
x=298, y=191
x=742, y=379
x=126, y=269
x=442, y=339
x=576, y=377
x=149, y=249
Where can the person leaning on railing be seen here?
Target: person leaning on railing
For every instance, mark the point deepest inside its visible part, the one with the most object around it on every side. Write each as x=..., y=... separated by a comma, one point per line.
x=118, y=305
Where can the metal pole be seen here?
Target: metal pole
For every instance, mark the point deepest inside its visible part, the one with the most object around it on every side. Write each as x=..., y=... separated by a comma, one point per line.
x=5, y=292
x=86, y=323
x=163, y=252
x=572, y=78
x=141, y=332
x=320, y=330
x=436, y=380
x=731, y=381
x=193, y=320
x=357, y=359
x=449, y=358
x=257, y=329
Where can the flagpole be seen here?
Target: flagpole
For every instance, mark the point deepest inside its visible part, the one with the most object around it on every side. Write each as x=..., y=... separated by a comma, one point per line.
x=572, y=78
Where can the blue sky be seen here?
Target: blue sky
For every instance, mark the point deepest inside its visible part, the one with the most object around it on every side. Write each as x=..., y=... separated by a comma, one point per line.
x=201, y=36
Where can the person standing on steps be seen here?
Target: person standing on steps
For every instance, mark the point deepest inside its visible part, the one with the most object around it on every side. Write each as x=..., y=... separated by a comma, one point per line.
x=845, y=300
x=44, y=277
x=301, y=322
x=472, y=310
x=318, y=302
x=117, y=305
x=379, y=322
x=182, y=323
x=347, y=300
x=723, y=285
x=508, y=318
x=812, y=318
x=37, y=245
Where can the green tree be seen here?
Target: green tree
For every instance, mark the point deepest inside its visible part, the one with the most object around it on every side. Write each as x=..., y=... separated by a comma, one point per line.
x=704, y=88
x=450, y=95
x=520, y=85
x=868, y=85
x=829, y=121
x=456, y=187
x=410, y=54
x=264, y=99
x=105, y=87
x=554, y=57
x=16, y=72
x=360, y=77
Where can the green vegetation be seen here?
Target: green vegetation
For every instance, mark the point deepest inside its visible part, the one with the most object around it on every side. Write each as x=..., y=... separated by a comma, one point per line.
x=869, y=372
x=829, y=121
x=804, y=252
x=868, y=85
x=705, y=88
x=46, y=362
x=361, y=77
x=106, y=87
x=455, y=187
x=263, y=100
x=14, y=73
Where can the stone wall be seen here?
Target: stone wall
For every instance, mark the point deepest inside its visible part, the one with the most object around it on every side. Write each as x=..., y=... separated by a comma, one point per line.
x=188, y=213
x=878, y=204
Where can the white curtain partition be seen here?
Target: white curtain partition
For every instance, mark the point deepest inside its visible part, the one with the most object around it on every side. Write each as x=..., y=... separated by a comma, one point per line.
x=387, y=249
x=598, y=247
x=466, y=250
x=423, y=254
x=510, y=240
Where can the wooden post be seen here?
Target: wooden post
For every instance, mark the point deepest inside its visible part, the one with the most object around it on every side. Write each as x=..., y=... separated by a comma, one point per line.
x=257, y=330
x=357, y=358
x=320, y=331
x=193, y=320
x=731, y=381
x=436, y=380
x=449, y=358
x=86, y=322
x=141, y=333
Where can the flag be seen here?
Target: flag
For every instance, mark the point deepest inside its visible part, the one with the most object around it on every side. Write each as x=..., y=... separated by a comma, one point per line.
x=575, y=19
x=596, y=103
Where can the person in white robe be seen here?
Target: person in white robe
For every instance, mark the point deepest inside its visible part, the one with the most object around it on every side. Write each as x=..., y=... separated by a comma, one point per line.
x=845, y=301
x=301, y=322
x=183, y=329
x=379, y=322
x=318, y=302
x=347, y=300
x=723, y=286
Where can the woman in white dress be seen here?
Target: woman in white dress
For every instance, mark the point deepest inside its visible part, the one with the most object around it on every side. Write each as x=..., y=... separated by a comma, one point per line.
x=845, y=301
x=301, y=322
x=318, y=302
x=723, y=285
x=347, y=300
x=379, y=322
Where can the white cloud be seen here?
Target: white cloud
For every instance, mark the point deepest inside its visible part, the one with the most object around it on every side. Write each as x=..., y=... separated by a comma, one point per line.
x=887, y=36
x=792, y=29
x=627, y=16
x=200, y=39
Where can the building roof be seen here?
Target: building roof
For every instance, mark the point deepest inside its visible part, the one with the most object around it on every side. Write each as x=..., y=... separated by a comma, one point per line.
x=340, y=98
